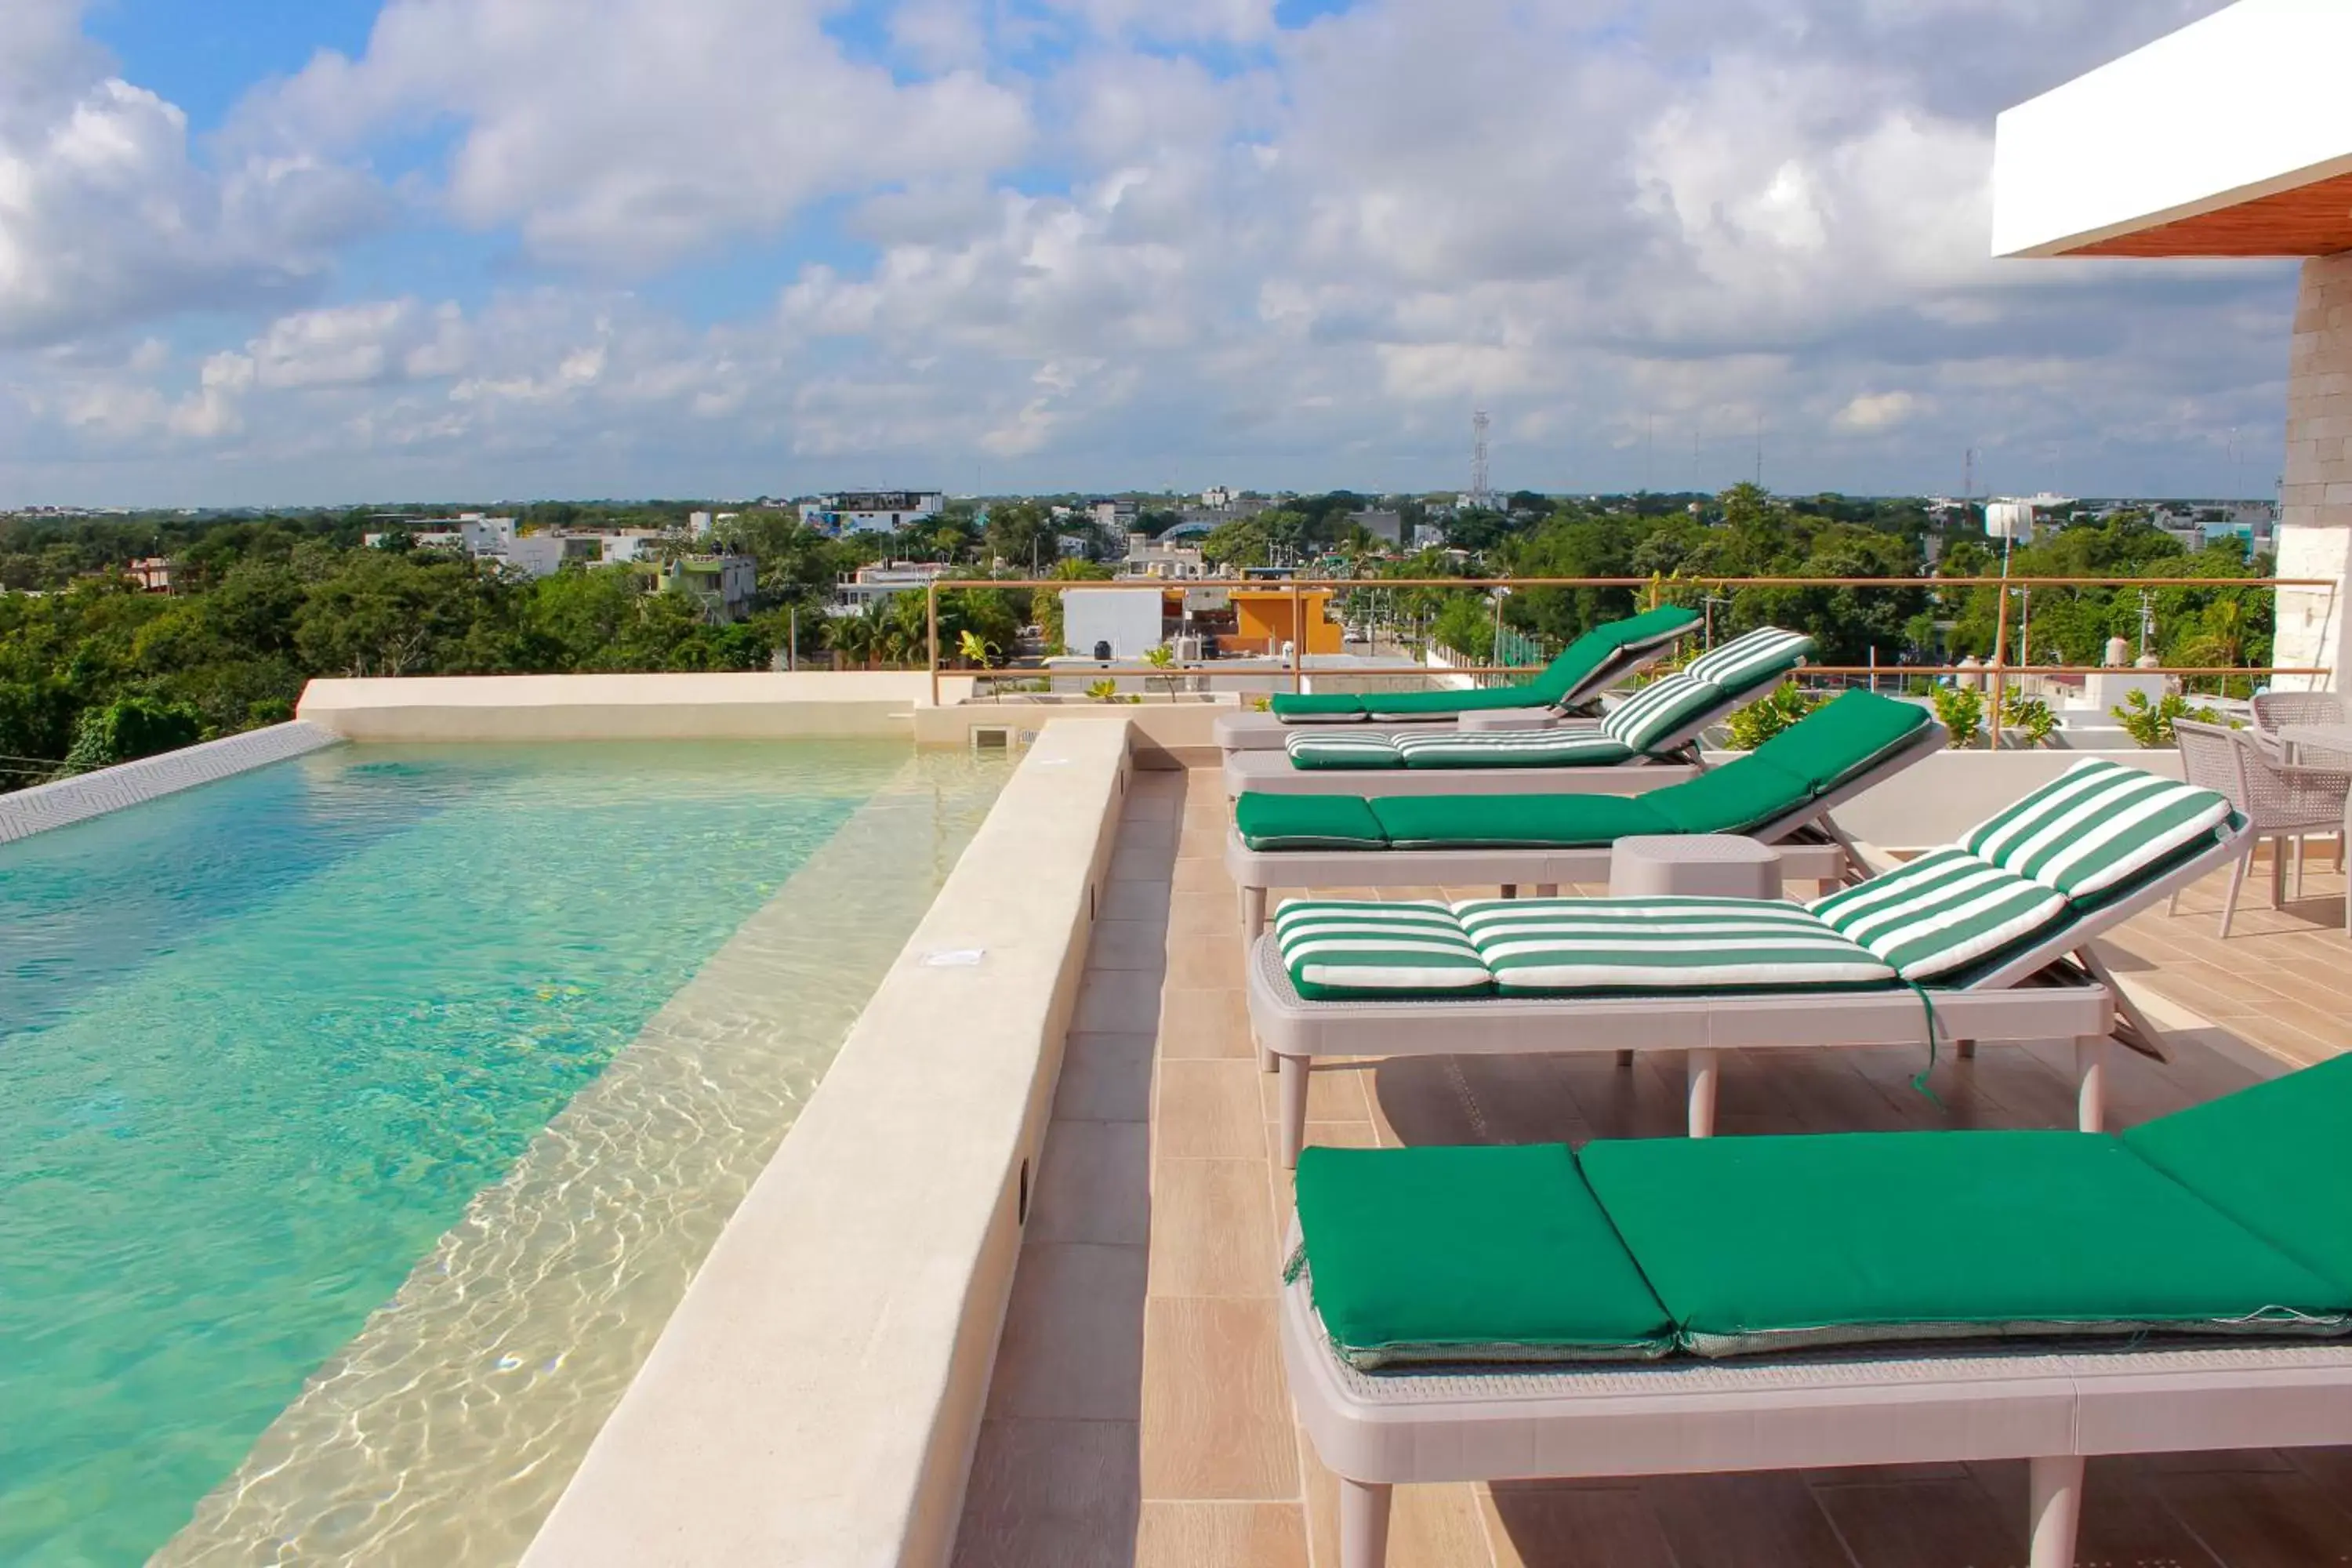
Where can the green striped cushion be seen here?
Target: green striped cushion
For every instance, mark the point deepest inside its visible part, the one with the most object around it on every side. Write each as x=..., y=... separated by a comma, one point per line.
x=1337, y=949
x=1942, y=912
x=1341, y=751
x=1656, y=712
x=2099, y=826
x=1513, y=749
x=1750, y=659
x=1549, y=946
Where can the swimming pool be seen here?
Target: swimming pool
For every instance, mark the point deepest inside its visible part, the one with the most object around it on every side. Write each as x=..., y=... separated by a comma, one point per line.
x=362, y=1117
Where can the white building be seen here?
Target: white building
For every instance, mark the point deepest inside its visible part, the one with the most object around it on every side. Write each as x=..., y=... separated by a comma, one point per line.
x=872, y=584
x=871, y=511
x=1125, y=621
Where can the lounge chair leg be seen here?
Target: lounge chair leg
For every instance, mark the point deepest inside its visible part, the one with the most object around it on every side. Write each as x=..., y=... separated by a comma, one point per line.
x=2172, y=905
x=2091, y=1083
x=2230, y=898
x=2278, y=871
x=1294, y=1110
x=1510, y=889
x=1253, y=914
x=1964, y=1051
x=1704, y=1071
x=1363, y=1524
x=2057, y=1485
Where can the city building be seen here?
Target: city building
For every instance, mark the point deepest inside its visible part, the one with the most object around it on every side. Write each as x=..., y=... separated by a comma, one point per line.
x=871, y=585
x=153, y=573
x=1112, y=623
x=1264, y=623
x=1386, y=526
x=1154, y=558
x=871, y=511
x=725, y=584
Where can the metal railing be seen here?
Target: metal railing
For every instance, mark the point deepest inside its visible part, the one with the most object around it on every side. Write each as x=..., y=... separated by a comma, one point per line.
x=1998, y=671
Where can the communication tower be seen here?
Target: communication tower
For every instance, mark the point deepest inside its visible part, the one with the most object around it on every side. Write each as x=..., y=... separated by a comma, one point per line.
x=1481, y=494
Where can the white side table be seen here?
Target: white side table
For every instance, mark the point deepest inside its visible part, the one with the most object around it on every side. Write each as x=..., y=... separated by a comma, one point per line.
x=1704, y=866
x=1500, y=721
x=1692, y=864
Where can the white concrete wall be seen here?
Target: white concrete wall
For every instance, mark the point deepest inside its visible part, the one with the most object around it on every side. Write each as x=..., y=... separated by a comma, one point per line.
x=2244, y=103
x=2315, y=537
x=809, y=703
x=816, y=1396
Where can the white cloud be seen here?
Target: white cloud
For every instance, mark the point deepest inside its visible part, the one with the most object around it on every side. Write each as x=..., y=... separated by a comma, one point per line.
x=106, y=218
x=650, y=130
x=1094, y=242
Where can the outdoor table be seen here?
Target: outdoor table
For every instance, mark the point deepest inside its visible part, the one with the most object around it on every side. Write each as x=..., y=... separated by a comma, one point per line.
x=1701, y=865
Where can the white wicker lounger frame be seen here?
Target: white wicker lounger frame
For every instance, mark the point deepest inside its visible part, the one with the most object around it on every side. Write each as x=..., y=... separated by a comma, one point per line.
x=2035, y=996
x=1810, y=845
x=1254, y=732
x=1784, y=1413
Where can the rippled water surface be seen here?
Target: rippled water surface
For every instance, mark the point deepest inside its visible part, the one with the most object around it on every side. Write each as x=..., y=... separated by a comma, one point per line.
x=361, y=1117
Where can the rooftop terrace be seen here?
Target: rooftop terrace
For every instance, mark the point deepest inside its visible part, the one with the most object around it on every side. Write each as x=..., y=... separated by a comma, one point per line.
x=1138, y=1411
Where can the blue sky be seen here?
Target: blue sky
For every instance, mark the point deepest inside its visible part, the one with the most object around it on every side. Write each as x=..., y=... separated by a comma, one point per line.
x=285, y=252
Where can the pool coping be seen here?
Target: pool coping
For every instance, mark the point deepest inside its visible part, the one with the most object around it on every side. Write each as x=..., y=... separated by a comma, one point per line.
x=63, y=801
x=817, y=1395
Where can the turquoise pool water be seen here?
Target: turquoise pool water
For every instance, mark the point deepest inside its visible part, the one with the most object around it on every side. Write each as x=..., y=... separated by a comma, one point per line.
x=261, y=1043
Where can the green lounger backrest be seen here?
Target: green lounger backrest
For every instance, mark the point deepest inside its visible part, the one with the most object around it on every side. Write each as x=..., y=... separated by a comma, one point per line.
x=2276, y=1158
x=1600, y=647
x=1841, y=738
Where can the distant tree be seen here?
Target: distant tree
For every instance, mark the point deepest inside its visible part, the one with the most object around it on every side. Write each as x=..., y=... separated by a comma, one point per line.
x=130, y=727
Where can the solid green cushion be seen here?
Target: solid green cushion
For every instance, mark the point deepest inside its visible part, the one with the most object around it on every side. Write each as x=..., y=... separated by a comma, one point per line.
x=1841, y=738
x=2276, y=1158
x=1775, y=1242
x=1514, y=821
x=1480, y=1253
x=1308, y=822
x=1437, y=704
x=1734, y=799
x=1318, y=705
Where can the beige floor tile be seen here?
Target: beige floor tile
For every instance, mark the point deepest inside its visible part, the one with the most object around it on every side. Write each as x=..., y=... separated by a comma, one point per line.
x=1334, y=1093
x=1208, y=1110
x=1197, y=1026
x=1922, y=1524
x=1094, y=1184
x=1578, y=1527
x=1202, y=877
x=1207, y=962
x=1429, y=1526
x=1220, y=1535
x=1117, y=1002
x=1073, y=1344
x=1216, y=1416
x=1105, y=1078
x=1050, y=1494
x=1212, y=1229
x=1203, y=914
x=1744, y=1522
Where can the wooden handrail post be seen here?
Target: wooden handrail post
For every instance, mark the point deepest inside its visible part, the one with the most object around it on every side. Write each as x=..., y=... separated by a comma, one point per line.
x=931, y=614
x=1999, y=664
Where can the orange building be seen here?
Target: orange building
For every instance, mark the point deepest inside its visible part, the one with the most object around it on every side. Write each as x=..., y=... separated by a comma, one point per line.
x=1263, y=623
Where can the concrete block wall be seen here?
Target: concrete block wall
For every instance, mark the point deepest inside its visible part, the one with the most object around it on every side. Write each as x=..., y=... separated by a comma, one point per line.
x=2315, y=512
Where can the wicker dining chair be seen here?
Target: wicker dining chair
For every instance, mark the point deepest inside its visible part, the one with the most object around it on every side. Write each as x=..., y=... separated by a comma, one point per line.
x=2276, y=709
x=2282, y=802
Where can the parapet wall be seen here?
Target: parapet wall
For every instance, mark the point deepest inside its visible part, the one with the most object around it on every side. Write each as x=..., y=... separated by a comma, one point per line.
x=844, y=704
x=44, y=806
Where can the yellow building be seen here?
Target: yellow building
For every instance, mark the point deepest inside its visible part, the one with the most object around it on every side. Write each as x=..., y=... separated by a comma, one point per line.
x=1263, y=624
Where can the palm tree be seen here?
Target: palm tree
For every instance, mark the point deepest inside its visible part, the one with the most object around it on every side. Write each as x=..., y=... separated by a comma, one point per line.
x=852, y=636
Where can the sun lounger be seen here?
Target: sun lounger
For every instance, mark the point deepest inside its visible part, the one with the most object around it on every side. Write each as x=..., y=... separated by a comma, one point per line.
x=1986, y=940
x=1651, y=729
x=1663, y=1307
x=1584, y=670
x=1781, y=793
